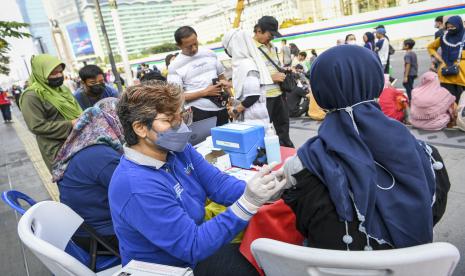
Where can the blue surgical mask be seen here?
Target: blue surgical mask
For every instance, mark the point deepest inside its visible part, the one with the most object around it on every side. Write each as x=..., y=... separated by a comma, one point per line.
x=174, y=139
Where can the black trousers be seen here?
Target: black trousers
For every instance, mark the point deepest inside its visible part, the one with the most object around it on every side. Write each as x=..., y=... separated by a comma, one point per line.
x=17, y=96
x=222, y=116
x=6, y=112
x=279, y=116
x=409, y=86
x=454, y=89
x=227, y=261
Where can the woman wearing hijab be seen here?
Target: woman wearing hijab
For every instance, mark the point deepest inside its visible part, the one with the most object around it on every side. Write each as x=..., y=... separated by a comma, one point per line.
x=84, y=167
x=451, y=44
x=364, y=182
x=49, y=108
x=369, y=39
x=432, y=107
x=249, y=75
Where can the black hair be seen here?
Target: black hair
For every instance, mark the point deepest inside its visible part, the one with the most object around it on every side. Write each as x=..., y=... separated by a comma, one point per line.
x=284, y=40
x=314, y=52
x=256, y=28
x=168, y=59
x=299, y=66
x=347, y=37
x=304, y=54
x=183, y=32
x=379, y=27
x=410, y=43
x=439, y=19
x=90, y=72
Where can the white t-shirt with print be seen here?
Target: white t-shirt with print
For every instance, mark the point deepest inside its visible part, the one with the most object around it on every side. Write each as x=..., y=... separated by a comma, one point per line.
x=195, y=73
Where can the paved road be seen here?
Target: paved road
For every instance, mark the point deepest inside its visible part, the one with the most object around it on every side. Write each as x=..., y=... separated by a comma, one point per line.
x=21, y=168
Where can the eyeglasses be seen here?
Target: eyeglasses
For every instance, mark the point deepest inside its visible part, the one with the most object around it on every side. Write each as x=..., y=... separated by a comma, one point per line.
x=185, y=115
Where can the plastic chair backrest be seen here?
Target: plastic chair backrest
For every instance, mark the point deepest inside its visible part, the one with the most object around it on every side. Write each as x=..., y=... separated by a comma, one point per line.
x=46, y=229
x=278, y=258
x=12, y=198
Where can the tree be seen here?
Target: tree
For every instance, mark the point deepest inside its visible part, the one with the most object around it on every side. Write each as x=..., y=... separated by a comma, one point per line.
x=9, y=29
x=163, y=48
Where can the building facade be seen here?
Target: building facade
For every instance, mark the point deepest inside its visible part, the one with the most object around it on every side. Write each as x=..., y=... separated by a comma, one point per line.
x=320, y=10
x=33, y=13
x=213, y=21
x=141, y=22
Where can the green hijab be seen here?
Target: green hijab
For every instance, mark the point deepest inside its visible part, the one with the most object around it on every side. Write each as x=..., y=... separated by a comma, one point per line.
x=61, y=97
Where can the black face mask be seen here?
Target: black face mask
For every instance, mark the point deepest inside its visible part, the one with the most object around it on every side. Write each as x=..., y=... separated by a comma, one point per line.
x=56, y=82
x=453, y=31
x=97, y=89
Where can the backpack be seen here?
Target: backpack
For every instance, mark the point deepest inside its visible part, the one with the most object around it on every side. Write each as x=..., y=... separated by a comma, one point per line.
x=391, y=50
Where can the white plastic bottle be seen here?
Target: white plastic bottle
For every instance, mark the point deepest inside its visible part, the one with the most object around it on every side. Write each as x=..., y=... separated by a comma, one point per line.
x=273, y=152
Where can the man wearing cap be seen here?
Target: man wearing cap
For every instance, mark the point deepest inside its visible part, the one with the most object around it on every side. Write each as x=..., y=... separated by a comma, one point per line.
x=265, y=31
x=382, y=48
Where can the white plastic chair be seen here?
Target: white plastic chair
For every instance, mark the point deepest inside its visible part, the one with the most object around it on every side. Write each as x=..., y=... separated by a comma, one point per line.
x=279, y=258
x=46, y=229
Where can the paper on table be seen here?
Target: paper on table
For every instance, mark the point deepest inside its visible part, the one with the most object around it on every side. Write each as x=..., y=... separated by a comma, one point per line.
x=241, y=174
x=137, y=268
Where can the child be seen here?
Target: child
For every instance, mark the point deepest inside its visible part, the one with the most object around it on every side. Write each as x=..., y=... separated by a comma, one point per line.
x=411, y=66
x=393, y=102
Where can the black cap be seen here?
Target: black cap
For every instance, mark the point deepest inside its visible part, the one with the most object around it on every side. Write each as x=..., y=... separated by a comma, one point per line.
x=269, y=23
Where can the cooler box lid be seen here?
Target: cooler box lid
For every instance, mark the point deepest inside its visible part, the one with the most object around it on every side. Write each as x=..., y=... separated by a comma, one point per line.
x=237, y=137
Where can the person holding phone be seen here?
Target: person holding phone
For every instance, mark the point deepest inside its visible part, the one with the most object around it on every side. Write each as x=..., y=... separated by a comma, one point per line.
x=199, y=72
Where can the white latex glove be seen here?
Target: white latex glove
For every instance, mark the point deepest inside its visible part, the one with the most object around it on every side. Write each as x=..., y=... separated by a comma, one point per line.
x=262, y=187
x=291, y=166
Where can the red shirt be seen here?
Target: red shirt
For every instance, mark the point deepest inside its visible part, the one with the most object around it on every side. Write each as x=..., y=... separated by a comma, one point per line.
x=393, y=102
x=4, y=98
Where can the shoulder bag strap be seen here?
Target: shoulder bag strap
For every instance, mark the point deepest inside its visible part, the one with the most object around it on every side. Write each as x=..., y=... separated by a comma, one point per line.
x=272, y=62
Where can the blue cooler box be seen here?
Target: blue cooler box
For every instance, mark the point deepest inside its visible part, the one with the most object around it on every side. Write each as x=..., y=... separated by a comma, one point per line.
x=240, y=141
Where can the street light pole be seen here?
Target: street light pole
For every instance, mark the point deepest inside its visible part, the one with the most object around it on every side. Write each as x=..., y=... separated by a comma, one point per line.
x=25, y=64
x=107, y=43
x=41, y=46
x=119, y=37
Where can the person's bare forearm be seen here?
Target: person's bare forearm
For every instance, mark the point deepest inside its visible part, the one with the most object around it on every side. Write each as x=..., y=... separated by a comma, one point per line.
x=195, y=95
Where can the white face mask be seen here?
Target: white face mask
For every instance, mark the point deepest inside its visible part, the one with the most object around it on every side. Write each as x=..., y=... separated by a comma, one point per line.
x=351, y=42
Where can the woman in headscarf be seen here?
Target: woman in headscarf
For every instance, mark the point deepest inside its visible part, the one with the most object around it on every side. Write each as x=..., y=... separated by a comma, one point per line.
x=84, y=166
x=364, y=182
x=369, y=39
x=432, y=106
x=49, y=108
x=451, y=44
x=249, y=75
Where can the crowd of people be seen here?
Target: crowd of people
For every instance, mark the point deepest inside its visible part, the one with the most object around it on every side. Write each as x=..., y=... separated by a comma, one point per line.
x=123, y=162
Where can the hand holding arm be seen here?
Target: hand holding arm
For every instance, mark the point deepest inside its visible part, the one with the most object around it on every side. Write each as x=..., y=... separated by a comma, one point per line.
x=261, y=188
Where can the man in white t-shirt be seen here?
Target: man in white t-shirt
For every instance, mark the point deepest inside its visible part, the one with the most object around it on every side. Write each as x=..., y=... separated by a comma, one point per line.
x=200, y=74
x=382, y=48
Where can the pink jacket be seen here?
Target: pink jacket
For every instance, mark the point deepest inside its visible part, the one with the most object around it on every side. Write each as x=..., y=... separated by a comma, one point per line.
x=431, y=106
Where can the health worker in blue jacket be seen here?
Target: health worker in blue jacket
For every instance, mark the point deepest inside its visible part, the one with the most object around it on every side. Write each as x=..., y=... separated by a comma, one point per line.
x=158, y=191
